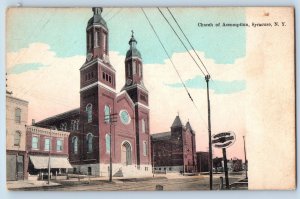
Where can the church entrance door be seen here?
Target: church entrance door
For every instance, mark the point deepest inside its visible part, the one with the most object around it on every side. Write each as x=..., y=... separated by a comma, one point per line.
x=126, y=153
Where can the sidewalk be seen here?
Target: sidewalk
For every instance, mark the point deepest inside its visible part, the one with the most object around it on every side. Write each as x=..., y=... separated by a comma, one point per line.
x=104, y=180
x=240, y=185
x=28, y=184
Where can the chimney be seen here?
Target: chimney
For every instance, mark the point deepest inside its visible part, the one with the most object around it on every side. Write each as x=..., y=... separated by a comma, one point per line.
x=33, y=122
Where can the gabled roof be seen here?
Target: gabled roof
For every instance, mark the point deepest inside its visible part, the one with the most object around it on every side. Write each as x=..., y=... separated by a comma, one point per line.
x=177, y=122
x=125, y=95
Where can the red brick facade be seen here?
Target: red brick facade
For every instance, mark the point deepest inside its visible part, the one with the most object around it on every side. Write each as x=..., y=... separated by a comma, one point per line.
x=175, y=151
x=36, y=147
x=41, y=144
x=130, y=140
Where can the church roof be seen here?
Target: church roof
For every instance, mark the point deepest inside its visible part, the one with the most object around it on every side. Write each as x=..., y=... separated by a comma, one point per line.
x=60, y=116
x=177, y=122
x=188, y=125
x=161, y=136
x=97, y=18
x=133, y=51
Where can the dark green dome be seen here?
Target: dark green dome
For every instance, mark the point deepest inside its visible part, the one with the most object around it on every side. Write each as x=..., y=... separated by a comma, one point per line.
x=97, y=18
x=133, y=51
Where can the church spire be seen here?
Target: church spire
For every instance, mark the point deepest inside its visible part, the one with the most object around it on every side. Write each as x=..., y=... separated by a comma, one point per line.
x=133, y=52
x=133, y=64
x=97, y=19
x=97, y=11
x=177, y=122
x=97, y=37
x=132, y=42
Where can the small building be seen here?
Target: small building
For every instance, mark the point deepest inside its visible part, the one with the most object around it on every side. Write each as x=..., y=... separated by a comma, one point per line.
x=202, y=161
x=68, y=121
x=174, y=151
x=218, y=164
x=16, y=119
x=235, y=165
x=45, y=145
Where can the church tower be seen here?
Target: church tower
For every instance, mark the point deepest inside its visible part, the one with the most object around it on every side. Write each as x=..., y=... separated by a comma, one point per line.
x=97, y=93
x=135, y=88
x=97, y=37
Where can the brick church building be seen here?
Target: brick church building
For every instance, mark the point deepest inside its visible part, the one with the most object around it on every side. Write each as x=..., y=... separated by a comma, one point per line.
x=175, y=151
x=92, y=132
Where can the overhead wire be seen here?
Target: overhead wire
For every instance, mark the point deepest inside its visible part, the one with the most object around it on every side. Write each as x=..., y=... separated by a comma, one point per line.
x=181, y=41
x=188, y=40
x=182, y=82
x=118, y=12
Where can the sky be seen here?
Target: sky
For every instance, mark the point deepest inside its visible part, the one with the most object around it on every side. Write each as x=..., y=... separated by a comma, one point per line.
x=46, y=47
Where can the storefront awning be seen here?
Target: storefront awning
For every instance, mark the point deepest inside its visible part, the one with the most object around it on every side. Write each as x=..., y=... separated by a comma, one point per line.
x=41, y=162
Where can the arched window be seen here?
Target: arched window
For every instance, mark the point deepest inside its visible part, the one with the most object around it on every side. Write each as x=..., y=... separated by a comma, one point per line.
x=89, y=40
x=107, y=143
x=75, y=144
x=72, y=125
x=18, y=115
x=104, y=43
x=89, y=142
x=106, y=113
x=133, y=67
x=17, y=138
x=143, y=126
x=145, y=151
x=77, y=124
x=89, y=111
x=129, y=70
x=63, y=126
x=140, y=70
x=96, y=38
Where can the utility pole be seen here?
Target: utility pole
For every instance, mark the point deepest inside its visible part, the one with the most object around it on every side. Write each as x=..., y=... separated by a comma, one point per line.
x=246, y=162
x=207, y=77
x=153, y=158
x=49, y=161
x=112, y=119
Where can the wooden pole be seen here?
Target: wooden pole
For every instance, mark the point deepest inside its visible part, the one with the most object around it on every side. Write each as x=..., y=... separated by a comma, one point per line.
x=246, y=162
x=225, y=168
x=207, y=77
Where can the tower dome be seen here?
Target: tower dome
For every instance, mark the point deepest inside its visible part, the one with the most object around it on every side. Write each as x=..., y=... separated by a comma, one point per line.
x=133, y=51
x=97, y=18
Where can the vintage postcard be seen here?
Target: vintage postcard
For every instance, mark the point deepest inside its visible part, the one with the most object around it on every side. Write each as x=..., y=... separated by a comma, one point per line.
x=110, y=99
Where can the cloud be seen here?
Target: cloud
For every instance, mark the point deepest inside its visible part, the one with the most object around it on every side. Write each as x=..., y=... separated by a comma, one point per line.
x=20, y=68
x=32, y=57
x=220, y=87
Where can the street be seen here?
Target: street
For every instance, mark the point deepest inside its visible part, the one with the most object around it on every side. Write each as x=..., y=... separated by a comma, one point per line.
x=185, y=183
